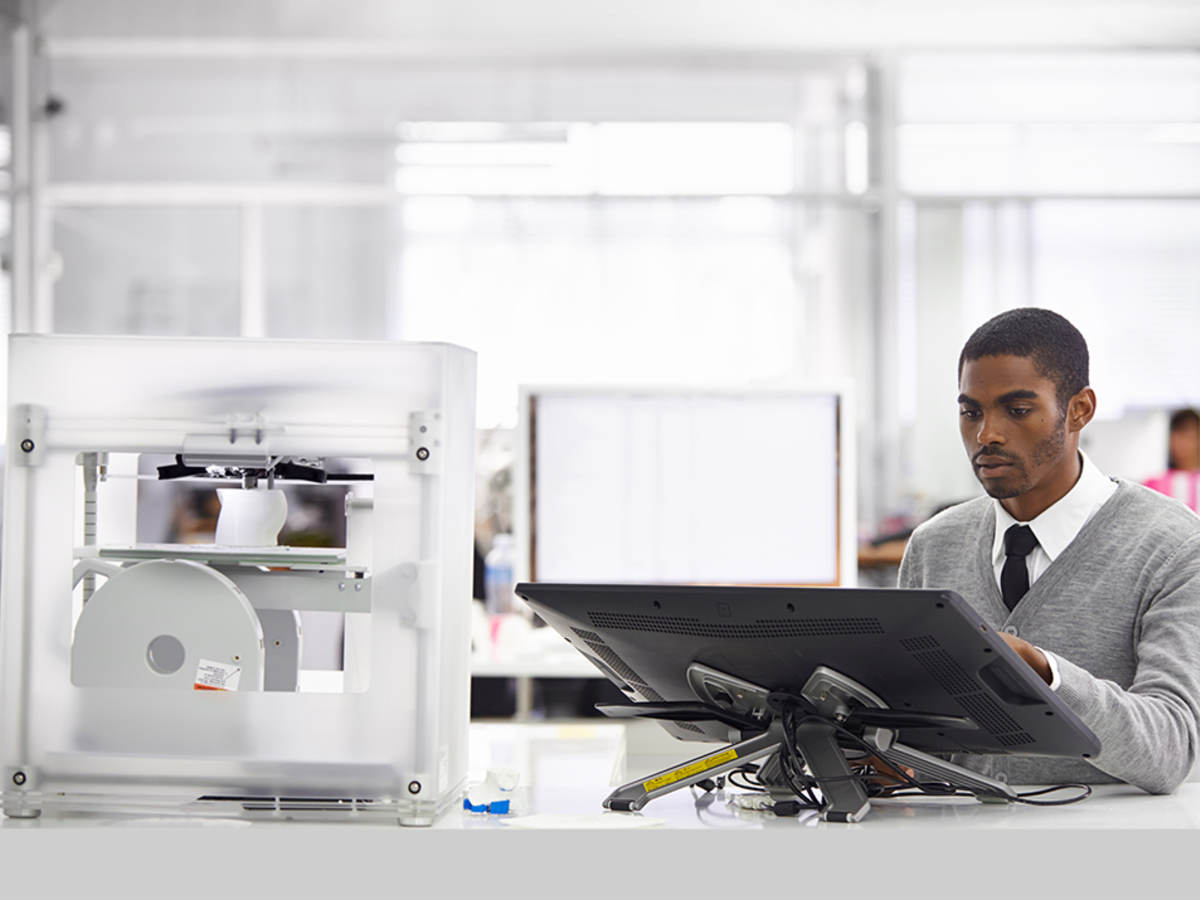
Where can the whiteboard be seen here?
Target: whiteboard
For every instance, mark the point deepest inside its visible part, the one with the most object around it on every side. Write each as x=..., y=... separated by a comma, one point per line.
x=684, y=486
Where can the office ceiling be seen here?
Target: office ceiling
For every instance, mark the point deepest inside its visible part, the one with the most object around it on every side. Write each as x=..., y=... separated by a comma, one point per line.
x=609, y=30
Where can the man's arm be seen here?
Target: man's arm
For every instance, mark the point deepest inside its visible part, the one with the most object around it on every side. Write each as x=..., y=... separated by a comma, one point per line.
x=910, y=575
x=1148, y=732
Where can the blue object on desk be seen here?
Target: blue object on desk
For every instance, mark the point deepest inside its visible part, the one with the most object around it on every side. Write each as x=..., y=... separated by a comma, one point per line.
x=496, y=807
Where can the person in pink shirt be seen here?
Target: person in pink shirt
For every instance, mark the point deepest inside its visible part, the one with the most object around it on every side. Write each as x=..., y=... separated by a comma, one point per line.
x=1182, y=479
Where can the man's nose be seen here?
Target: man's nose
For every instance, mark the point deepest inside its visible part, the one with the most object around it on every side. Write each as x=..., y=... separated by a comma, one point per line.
x=990, y=430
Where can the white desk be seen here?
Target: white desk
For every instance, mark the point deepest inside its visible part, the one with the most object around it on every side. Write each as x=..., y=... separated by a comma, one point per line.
x=1119, y=843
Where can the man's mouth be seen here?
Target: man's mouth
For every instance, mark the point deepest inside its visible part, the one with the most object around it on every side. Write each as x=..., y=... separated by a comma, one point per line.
x=994, y=464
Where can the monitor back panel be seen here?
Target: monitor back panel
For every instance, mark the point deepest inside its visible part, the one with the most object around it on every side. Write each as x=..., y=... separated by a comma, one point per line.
x=919, y=650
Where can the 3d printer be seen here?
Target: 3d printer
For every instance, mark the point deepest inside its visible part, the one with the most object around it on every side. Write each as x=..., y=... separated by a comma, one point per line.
x=167, y=676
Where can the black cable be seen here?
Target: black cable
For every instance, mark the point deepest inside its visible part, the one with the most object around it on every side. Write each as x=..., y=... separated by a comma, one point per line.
x=853, y=738
x=791, y=761
x=1086, y=791
x=709, y=785
x=799, y=764
x=907, y=780
x=744, y=782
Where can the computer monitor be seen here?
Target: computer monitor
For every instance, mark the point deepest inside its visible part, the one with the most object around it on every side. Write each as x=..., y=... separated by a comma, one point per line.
x=686, y=485
x=947, y=681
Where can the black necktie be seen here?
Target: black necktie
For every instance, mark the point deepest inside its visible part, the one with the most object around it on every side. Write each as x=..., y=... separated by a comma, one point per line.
x=1014, y=577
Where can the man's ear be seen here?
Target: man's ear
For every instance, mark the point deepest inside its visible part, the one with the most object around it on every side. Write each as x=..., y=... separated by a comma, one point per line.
x=1080, y=409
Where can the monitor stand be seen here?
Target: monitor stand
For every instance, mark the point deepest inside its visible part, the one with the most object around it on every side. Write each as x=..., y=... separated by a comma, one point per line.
x=836, y=698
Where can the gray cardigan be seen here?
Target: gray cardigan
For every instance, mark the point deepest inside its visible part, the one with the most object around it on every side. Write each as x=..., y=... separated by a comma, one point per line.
x=1120, y=607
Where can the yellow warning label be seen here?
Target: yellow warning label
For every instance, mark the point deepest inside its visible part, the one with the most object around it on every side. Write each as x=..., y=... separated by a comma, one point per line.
x=694, y=768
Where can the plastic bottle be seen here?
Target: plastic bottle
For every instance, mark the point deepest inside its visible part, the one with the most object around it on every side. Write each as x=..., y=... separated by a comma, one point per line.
x=498, y=575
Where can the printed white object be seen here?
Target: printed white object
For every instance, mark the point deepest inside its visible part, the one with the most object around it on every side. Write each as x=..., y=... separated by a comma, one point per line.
x=250, y=518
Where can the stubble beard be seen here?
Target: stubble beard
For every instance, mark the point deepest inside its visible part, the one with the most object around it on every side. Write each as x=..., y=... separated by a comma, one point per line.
x=1044, y=452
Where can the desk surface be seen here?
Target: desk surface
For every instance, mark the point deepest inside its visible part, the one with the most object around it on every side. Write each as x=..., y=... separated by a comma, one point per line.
x=1120, y=842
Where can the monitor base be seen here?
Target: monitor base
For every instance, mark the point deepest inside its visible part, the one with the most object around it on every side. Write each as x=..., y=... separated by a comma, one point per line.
x=814, y=740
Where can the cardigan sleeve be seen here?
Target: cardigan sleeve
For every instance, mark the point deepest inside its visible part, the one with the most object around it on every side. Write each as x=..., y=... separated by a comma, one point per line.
x=1148, y=731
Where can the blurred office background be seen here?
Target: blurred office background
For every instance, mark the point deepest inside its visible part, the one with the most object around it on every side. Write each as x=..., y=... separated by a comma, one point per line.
x=658, y=192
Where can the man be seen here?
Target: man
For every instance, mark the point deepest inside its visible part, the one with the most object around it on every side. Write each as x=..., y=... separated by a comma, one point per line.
x=1094, y=582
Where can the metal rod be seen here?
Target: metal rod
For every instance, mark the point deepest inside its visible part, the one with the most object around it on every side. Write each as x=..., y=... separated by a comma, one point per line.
x=22, y=317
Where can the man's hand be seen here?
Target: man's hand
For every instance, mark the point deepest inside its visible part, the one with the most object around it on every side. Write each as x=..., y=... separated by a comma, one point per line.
x=1031, y=654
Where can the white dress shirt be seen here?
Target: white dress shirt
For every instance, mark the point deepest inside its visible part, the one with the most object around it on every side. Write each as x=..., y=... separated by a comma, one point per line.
x=1054, y=529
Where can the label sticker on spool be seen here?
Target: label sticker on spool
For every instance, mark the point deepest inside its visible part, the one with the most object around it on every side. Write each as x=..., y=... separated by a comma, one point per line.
x=217, y=676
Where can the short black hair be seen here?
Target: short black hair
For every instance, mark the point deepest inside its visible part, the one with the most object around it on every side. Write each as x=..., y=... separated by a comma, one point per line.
x=1184, y=418
x=1056, y=347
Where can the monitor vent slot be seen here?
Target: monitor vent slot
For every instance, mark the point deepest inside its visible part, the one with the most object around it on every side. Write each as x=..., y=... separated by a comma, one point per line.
x=761, y=628
x=617, y=664
x=816, y=627
x=1015, y=740
x=924, y=642
x=616, y=668
x=688, y=726
x=608, y=673
x=947, y=672
x=969, y=694
x=648, y=692
x=984, y=710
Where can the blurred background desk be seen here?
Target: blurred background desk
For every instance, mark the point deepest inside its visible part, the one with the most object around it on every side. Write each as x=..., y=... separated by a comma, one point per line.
x=882, y=556
x=508, y=647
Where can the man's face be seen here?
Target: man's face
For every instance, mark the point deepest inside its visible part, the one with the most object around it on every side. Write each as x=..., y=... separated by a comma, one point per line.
x=1016, y=438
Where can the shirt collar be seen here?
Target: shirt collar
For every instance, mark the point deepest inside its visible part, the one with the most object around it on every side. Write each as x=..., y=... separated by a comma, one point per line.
x=1057, y=526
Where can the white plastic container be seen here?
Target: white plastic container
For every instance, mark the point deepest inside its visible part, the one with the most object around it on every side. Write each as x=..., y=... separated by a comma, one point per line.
x=393, y=740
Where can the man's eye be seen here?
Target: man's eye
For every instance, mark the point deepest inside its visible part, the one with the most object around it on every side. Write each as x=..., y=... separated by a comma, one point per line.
x=1019, y=412
x=969, y=413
